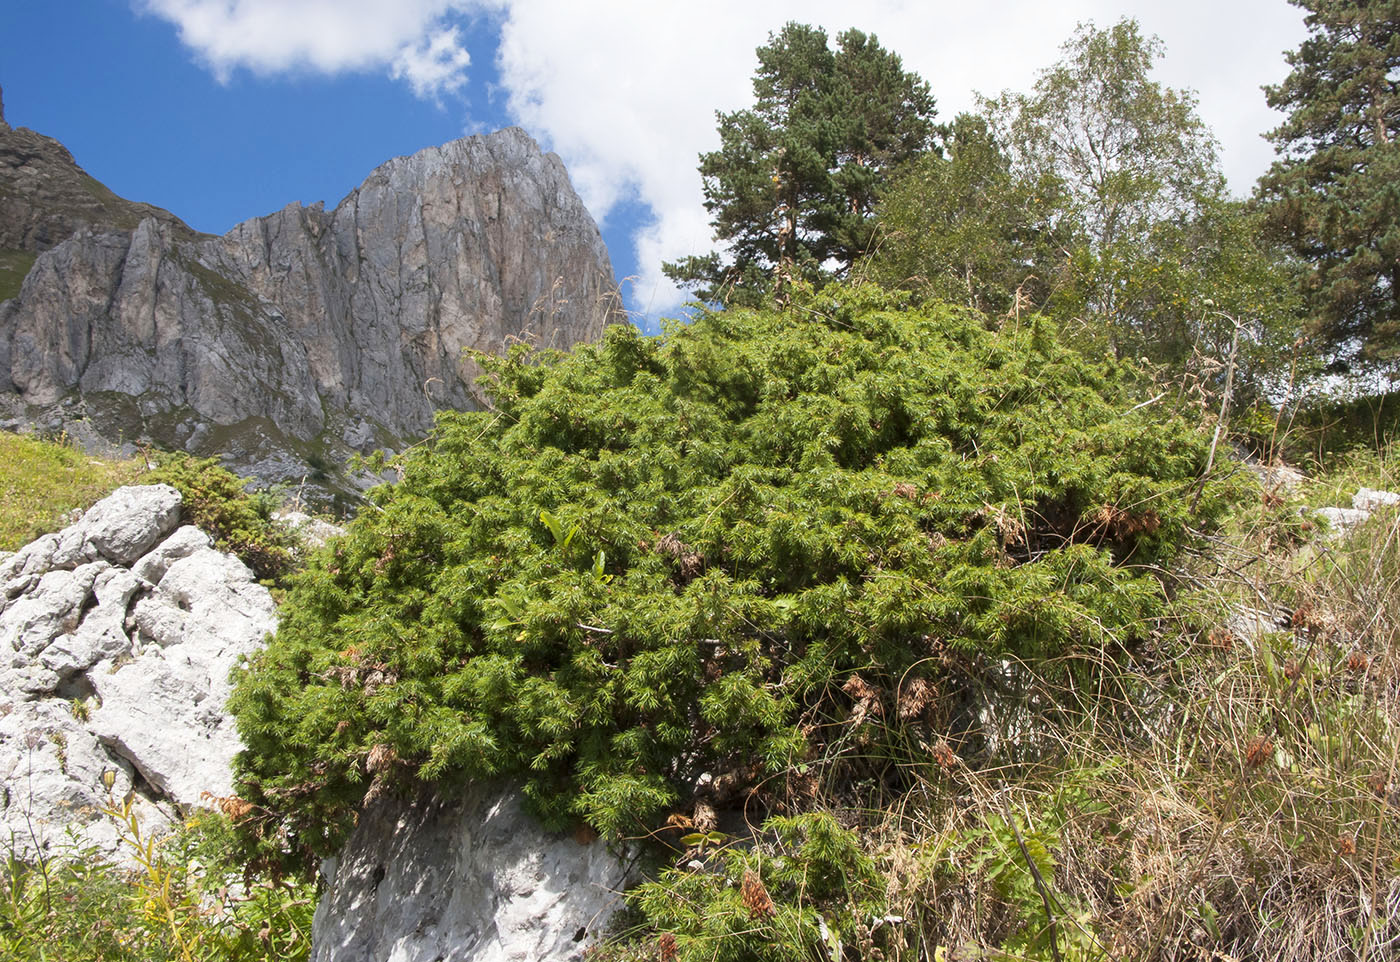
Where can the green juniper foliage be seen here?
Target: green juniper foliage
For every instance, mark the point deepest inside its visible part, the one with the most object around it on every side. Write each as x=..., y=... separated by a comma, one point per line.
x=217, y=501
x=804, y=890
x=658, y=557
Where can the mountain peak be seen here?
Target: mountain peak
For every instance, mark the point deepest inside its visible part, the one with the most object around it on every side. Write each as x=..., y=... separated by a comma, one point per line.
x=302, y=336
x=45, y=197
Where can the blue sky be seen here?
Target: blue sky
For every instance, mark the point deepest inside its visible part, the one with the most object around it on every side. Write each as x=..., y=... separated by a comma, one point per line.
x=142, y=115
x=221, y=110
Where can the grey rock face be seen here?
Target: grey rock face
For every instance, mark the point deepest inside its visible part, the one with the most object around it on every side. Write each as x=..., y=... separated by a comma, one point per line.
x=473, y=879
x=117, y=636
x=301, y=336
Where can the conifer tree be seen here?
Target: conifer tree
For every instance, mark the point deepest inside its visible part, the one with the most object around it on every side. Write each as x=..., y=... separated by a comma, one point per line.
x=1334, y=192
x=791, y=189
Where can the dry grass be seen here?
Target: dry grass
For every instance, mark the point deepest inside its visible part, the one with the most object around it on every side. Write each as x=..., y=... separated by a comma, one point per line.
x=1228, y=793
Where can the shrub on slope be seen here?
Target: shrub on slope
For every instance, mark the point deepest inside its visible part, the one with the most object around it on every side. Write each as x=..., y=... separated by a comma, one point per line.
x=657, y=557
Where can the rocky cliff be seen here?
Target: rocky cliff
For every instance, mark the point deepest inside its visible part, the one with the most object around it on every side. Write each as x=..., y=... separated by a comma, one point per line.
x=299, y=337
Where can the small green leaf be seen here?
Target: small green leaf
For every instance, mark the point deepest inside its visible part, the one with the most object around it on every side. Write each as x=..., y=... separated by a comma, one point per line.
x=552, y=523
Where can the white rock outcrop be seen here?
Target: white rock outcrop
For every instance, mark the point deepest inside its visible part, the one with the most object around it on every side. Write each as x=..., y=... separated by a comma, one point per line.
x=311, y=532
x=470, y=879
x=117, y=636
x=1364, y=503
x=1369, y=499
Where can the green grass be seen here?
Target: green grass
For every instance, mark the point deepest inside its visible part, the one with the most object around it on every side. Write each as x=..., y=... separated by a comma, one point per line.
x=14, y=265
x=176, y=899
x=42, y=481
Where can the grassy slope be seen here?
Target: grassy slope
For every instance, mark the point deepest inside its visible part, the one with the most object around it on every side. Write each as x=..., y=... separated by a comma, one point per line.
x=14, y=265
x=42, y=481
x=1253, y=818
x=1227, y=793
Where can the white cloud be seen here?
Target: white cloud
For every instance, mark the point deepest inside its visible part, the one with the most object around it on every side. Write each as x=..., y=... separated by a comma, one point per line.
x=433, y=65
x=626, y=91
x=408, y=38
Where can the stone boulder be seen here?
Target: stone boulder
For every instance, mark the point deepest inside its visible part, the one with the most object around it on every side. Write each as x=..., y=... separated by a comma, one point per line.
x=1369, y=499
x=310, y=532
x=1364, y=503
x=117, y=637
x=470, y=878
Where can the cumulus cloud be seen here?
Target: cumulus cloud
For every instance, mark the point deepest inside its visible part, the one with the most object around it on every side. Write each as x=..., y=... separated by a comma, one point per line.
x=408, y=38
x=435, y=64
x=626, y=91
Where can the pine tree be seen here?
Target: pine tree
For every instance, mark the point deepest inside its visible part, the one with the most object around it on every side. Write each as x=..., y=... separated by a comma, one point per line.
x=1334, y=193
x=792, y=188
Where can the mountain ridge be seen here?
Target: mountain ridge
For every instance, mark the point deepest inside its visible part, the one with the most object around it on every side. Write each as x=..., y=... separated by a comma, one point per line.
x=303, y=336
x=45, y=196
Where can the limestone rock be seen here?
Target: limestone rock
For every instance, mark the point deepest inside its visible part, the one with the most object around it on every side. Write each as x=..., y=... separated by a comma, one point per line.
x=122, y=526
x=1342, y=520
x=1366, y=501
x=105, y=667
x=1369, y=499
x=184, y=542
x=52, y=607
x=1275, y=476
x=471, y=879
x=164, y=709
x=303, y=336
x=311, y=533
x=51, y=769
x=101, y=635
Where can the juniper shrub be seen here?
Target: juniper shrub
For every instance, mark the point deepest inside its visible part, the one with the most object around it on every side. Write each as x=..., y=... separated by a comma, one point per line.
x=656, y=557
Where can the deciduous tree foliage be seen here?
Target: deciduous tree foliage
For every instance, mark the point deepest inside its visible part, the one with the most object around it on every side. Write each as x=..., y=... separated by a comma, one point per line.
x=657, y=557
x=1129, y=152
x=1148, y=249
x=1335, y=191
x=963, y=226
x=793, y=185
